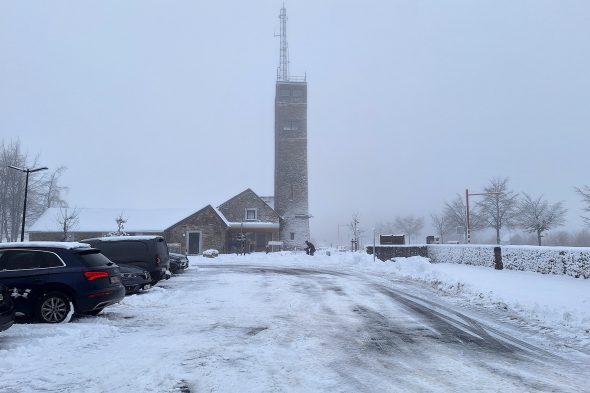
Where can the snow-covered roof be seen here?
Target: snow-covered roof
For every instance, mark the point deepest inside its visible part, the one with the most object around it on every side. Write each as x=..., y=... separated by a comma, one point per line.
x=119, y=238
x=65, y=245
x=220, y=214
x=103, y=219
x=254, y=225
x=269, y=200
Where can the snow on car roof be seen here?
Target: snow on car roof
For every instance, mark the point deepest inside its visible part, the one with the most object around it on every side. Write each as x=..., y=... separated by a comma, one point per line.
x=64, y=245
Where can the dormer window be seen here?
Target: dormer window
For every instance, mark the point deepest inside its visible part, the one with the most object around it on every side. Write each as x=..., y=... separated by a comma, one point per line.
x=250, y=214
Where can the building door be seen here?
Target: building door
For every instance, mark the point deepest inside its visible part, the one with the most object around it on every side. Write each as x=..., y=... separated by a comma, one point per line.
x=194, y=243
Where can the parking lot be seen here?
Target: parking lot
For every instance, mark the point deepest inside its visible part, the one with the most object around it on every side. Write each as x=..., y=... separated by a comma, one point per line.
x=245, y=326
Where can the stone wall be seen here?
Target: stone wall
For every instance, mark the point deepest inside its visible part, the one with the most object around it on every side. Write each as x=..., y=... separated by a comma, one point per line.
x=385, y=253
x=206, y=221
x=291, y=177
x=58, y=236
x=234, y=209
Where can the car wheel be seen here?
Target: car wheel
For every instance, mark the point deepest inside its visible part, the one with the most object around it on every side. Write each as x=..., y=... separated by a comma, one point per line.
x=93, y=312
x=53, y=307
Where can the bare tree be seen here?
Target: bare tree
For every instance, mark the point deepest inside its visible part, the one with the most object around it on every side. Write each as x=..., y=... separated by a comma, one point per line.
x=67, y=220
x=384, y=228
x=52, y=190
x=498, y=210
x=441, y=224
x=120, y=227
x=12, y=190
x=409, y=225
x=456, y=215
x=536, y=215
x=355, y=229
x=584, y=192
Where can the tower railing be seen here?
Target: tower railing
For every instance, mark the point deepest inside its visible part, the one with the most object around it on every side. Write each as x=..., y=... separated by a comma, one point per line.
x=291, y=78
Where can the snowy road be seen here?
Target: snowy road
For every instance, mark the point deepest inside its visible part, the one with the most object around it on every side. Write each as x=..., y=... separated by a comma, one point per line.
x=245, y=327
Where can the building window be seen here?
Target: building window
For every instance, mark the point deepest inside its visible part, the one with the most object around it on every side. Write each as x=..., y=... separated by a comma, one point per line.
x=292, y=235
x=250, y=214
x=290, y=125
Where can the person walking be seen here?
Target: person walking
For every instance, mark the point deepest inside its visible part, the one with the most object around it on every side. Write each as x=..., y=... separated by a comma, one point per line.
x=310, y=249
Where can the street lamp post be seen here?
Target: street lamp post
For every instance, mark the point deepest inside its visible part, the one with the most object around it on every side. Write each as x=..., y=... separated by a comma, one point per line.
x=27, y=171
x=467, y=195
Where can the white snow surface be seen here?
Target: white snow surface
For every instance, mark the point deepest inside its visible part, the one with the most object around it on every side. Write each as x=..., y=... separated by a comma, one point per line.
x=254, y=225
x=119, y=238
x=559, y=302
x=103, y=219
x=224, y=332
x=65, y=245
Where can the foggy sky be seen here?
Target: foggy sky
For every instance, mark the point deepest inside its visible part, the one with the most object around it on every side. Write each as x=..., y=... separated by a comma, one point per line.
x=170, y=103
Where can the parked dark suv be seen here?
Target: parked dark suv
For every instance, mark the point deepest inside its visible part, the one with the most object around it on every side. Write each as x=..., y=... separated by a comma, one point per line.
x=6, y=308
x=146, y=252
x=46, y=278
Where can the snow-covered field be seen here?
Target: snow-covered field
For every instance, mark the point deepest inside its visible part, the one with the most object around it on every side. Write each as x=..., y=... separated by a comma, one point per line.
x=341, y=323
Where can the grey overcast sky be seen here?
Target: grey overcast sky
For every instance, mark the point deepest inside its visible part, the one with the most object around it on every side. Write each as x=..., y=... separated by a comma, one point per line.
x=170, y=103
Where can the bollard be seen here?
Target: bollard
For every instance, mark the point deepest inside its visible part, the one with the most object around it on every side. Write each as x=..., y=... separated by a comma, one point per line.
x=498, y=258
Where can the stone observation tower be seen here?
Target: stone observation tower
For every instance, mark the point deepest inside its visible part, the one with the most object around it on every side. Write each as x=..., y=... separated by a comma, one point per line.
x=291, y=195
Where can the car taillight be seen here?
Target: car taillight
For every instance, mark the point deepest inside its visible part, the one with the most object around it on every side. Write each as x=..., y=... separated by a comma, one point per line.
x=91, y=276
x=157, y=260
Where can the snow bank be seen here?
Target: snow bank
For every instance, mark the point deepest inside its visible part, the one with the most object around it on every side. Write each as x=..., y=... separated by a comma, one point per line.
x=569, y=261
x=557, y=301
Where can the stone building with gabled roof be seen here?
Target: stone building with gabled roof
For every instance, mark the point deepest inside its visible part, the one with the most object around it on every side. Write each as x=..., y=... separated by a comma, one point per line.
x=185, y=230
x=249, y=214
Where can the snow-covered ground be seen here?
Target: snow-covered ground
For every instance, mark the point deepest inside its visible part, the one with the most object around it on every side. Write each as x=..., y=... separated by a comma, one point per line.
x=559, y=303
x=341, y=323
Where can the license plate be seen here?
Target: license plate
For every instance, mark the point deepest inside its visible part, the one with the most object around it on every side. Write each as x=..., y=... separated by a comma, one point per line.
x=115, y=279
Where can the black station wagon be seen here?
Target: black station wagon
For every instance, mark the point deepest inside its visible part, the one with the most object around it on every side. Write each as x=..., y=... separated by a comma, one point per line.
x=45, y=279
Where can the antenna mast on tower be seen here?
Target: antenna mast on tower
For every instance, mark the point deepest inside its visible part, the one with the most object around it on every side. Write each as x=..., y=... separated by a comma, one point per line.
x=283, y=71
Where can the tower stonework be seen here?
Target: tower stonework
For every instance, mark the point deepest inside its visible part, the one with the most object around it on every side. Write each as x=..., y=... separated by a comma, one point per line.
x=291, y=198
x=291, y=181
